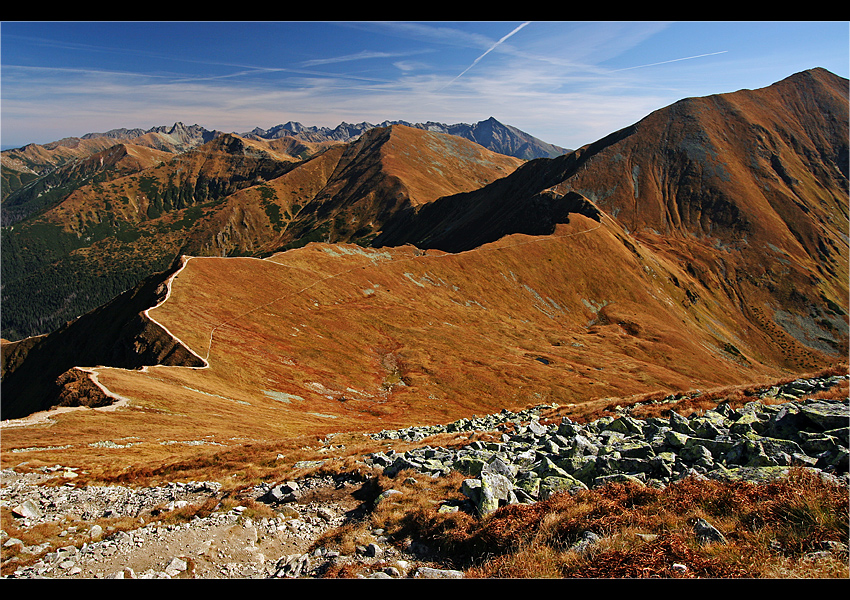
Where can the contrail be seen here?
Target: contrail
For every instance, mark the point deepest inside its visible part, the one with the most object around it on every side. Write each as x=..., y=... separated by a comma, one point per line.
x=668, y=61
x=490, y=49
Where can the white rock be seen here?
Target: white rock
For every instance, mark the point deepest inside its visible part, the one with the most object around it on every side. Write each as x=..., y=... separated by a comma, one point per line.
x=176, y=566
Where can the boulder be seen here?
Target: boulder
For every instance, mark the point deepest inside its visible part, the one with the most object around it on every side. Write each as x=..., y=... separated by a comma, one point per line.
x=549, y=486
x=827, y=415
x=26, y=509
x=706, y=533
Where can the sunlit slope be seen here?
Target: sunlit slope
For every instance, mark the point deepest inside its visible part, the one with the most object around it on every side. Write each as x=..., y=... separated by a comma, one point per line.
x=229, y=197
x=746, y=192
x=338, y=336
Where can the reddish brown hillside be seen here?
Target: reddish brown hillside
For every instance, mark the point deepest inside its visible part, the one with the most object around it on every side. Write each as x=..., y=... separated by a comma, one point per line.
x=339, y=337
x=704, y=246
x=128, y=157
x=347, y=192
x=37, y=157
x=386, y=170
x=231, y=196
x=433, y=165
x=210, y=172
x=119, y=333
x=747, y=193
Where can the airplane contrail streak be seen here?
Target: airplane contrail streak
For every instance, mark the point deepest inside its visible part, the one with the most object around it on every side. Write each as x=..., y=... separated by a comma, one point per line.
x=490, y=49
x=664, y=62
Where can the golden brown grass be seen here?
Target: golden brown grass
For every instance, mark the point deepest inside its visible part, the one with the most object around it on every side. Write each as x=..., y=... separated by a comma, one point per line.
x=771, y=529
x=648, y=405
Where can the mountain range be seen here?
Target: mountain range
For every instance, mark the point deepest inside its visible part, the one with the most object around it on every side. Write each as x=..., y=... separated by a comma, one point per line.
x=409, y=275
x=34, y=166
x=490, y=133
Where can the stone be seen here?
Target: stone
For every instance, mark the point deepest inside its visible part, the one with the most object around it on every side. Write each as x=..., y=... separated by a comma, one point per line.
x=744, y=452
x=815, y=443
x=785, y=423
x=680, y=424
x=549, y=486
x=497, y=466
x=384, y=495
x=536, y=428
x=582, y=446
x=707, y=533
x=626, y=425
x=675, y=439
x=617, y=478
x=585, y=541
x=636, y=449
x=289, y=512
x=376, y=575
x=471, y=488
x=748, y=423
x=284, y=492
x=495, y=491
x=325, y=514
x=431, y=573
x=826, y=415
x=26, y=509
x=292, y=566
x=176, y=566
x=696, y=453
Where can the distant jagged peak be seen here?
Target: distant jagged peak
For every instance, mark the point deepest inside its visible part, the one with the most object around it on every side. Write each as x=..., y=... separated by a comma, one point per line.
x=121, y=133
x=178, y=137
x=179, y=132
x=490, y=133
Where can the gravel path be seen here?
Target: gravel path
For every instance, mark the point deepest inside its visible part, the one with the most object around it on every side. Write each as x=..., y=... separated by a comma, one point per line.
x=227, y=544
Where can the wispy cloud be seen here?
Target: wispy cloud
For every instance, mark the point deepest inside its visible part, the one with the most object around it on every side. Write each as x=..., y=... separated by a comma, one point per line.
x=364, y=55
x=566, y=82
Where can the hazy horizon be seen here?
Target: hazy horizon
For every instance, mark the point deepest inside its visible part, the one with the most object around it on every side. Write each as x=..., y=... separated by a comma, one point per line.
x=566, y=83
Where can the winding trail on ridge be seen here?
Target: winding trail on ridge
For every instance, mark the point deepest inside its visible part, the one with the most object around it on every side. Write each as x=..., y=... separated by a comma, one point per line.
x=421, y=254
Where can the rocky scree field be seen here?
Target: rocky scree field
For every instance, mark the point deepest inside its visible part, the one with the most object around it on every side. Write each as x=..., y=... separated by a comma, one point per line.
x=747, y=482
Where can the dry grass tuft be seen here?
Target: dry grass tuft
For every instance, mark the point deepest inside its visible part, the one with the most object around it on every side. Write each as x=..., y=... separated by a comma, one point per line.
x=770, y=529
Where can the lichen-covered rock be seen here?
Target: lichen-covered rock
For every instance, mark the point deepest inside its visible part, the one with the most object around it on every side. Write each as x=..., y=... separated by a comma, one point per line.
x=617, y=478
x=495, y=492
x=549, y=486
x=469, y=465
x=827, y=415
x=755, y=443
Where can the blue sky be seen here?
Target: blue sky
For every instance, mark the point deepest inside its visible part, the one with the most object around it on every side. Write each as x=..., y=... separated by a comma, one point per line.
x=568, y=83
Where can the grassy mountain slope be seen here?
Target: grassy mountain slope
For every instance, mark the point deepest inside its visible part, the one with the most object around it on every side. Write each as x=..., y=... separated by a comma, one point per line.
x=745, y=192
x=721, y=282
x=230, y=196
x=338, y=337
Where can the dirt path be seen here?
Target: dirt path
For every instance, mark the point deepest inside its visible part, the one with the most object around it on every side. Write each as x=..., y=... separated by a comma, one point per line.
x=232, y=542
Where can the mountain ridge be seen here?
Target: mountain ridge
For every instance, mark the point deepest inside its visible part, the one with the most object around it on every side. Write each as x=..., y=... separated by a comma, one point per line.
x=747, y=211
x=490, y=133
x=24, y=166
x=713, y=255
x=229, y=196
